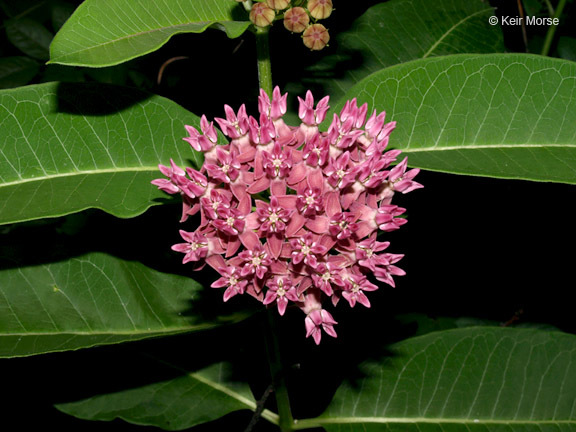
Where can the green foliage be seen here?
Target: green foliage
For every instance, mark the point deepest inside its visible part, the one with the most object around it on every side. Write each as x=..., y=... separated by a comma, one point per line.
x=396, y=32
x=91, y=300
x=86, y=146
x=108, y=32
x=94, y=138
x=491, y=115
x=179, y=403
x=478, y=379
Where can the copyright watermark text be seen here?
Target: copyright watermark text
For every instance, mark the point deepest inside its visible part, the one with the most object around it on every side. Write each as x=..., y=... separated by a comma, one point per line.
x=527, y=20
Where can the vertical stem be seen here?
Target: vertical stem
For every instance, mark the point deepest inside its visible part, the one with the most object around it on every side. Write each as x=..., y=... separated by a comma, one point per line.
x=286, y=421
x=263, y=55
x=552, y=29
x=523, y=21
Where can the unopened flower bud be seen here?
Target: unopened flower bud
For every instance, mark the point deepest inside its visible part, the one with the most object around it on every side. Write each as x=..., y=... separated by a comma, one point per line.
x=296, y=19
x=316, y=37
x=262, y=15
x=278, y=4
x=320, y=9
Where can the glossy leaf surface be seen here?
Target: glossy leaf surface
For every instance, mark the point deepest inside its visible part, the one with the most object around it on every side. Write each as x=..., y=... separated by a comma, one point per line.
x=69, y=147
x=475, y=379
x=94, y=299
x=176, y=404
x=498, y=115
x=108, y=32
x=398, y=31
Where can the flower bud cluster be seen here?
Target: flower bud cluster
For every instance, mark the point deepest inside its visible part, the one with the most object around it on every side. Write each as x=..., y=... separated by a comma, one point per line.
x=290, y=214
x=299, y=16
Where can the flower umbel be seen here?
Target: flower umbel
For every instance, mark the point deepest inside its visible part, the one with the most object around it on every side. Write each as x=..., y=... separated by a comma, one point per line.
x=301, y=16
x=290, y=214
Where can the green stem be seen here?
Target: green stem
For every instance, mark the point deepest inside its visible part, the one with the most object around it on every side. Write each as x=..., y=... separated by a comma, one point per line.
x=263, y=55
x=552, y=29
x=286, y=421
x=550, y=7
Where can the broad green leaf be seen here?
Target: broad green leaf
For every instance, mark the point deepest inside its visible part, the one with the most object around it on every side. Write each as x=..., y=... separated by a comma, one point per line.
x=176, y=404
x=398, y=31
x=69, y=147
x=473, y=379
x=108, y=32
x=91, y=300
x=17, y=71
x=495, y=115
x=30, y=37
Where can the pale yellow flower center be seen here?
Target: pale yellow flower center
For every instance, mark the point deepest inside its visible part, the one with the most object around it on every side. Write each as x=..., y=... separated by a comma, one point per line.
x=273, y=218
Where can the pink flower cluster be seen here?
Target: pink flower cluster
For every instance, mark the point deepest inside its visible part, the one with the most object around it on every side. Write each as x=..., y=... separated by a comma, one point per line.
x=291, y=214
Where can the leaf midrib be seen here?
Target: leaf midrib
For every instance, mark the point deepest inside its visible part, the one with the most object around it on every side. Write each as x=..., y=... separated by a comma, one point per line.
x=251, y=404
x=451, y=29
x=317, y=422
x=119, y=170
x=134, y=35
x=114, y=170
x=267, y=414
x=485, y=147
x=162, y=330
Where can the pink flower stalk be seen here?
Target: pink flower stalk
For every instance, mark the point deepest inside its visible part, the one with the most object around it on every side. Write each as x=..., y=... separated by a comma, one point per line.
x=291, y=214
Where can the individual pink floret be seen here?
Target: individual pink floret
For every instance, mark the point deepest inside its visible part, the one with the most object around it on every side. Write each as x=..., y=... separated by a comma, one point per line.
x=281, y=290
x=317, y=320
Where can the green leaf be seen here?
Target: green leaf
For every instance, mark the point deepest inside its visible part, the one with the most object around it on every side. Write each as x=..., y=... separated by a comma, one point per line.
x=94, y=299
x=108, y=32
x=69, y=147
x=496, y=115
x=398, y=31
x=175, y=404
x=30, y=37
x=473, y=379
x=17, y=71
